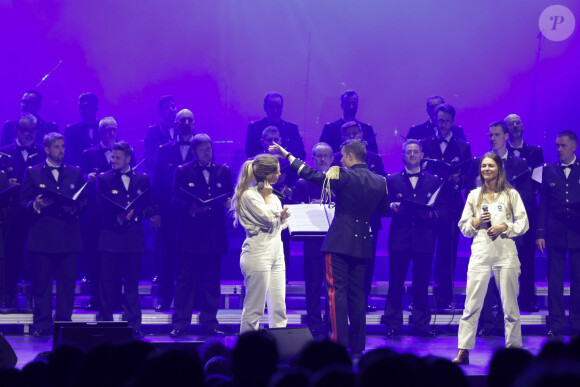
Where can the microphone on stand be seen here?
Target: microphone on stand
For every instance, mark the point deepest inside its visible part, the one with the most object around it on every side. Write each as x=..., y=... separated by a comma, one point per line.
x=484, y=208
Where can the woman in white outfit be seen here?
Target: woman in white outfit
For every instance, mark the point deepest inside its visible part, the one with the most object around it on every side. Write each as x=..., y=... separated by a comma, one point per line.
x=492, y=251
x=262, y=259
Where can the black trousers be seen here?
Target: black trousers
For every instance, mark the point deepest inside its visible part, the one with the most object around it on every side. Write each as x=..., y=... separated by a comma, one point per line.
x=198, y=278
x=65, y=268
x=488, y=319
x=113, y=268
x=89, y=258
x=445, y=258
x=15, y=232
x=527, y=256
x=556, y=269
x=313, y=278
x=370, y=270
x=346, y=300
x=398, y=266
x=169, y=257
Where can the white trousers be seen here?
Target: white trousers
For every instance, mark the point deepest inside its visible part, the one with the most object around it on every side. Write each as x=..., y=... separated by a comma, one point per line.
x=506, y=279
x=264, y=287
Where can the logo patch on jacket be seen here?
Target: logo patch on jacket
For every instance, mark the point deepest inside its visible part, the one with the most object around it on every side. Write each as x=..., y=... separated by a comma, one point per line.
x=114, y=192
x=191, y=185
x=42, y=186
x=72, y=186
x=219, y=185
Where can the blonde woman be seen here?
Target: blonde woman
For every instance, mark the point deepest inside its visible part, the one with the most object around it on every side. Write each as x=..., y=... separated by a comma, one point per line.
x=493, y=215
x=260, y=212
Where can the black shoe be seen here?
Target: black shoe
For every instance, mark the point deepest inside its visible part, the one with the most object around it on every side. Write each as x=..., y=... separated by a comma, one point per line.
x=424, y=333
x=40, y=333
x=371, y=308
x=554, y=333
x=411, y=307
x=392, y=333
x=212, y=332
x=176, y=333
x=137, y=334
x=530, y=308
x=162, y=308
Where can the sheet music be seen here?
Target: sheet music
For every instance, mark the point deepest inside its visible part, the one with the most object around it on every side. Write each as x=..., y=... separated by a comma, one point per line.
x=537, y=174
x=309, y=219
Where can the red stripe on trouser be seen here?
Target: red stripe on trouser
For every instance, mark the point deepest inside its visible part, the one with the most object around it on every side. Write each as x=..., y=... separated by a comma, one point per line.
x=331, y=296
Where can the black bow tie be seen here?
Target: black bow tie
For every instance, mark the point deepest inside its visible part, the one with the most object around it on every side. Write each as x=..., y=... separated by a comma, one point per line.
x=443, y=140
x=59, y=169
x=188, y=143
x=564, y=167
x=28, y=149
x=414, y=174
x=128, y=173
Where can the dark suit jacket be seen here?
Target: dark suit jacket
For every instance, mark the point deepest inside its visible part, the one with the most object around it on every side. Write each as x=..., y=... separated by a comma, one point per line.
x=359, y=193
x=42, y=128
x=4, y=203
x=77, y=139
x=531, y=153
x=332, y=136
x=125, y=236
x=428, y=129
x=205, y=232
x=409, y=231
x=53, y=230
x=15, y=164
x=306, y=192
x=156, y=135
x=168, y=158
x=559, y=211
x=289, y=134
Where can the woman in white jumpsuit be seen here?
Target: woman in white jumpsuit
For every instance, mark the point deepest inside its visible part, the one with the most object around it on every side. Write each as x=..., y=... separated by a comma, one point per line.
x=492, y=251
x=262, y=259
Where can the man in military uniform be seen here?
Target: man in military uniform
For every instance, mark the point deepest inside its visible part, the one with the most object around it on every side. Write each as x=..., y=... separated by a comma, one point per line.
x=169, y=157
x=124, y=200
x=429, y=128
x=348, y=243
x=411, y=236
x=201, y=239
x=85, y=133
x=331, y=131
x=162, y=132
x=558, y=232
x=448, y=158
x=307, y=192
x=31, y=103
x=54, y=236
x=289, y=134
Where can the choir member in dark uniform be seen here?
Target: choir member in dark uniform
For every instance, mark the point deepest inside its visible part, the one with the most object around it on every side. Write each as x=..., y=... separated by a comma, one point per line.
x=348, y=243
x=447, y=148
x=307, y=192
x=411, y=236
x=534, y=156
x=558, y=232
x=201, y=237
x=169, y=157
x=121, y=244
x=162, y=132
x=331, y=131
x=7, y=276
x=54, y=236
x=352, y=130
x=85, y=133
x=429, y=128
x=31, y=103
x=15, y=158
x=289, y=134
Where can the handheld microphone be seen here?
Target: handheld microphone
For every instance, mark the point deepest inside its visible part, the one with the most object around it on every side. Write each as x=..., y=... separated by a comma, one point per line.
x=484, y=208
x=277, y=193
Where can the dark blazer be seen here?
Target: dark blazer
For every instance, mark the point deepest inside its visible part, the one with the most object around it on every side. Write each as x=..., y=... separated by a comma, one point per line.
x=3, y=212
x=125, y=236
x=409, y=231
x=53, y=230
x=77, y=139
x=306, y=192
x=93, y=159
x=531, y=153
x=559, y=211
x=168, y=158
x=428, y=129
x=42, y=128
x=289, y=134
x=156, y=135
x=332, y=136
x=359, y=193
x=205, y=232
x=15, y=164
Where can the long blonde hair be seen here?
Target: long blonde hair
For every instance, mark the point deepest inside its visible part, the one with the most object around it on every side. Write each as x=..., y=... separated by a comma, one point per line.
x=253, y=171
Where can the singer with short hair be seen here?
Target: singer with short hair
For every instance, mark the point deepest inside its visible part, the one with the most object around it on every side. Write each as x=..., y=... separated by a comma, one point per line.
x=259, y=211
x=494, y=214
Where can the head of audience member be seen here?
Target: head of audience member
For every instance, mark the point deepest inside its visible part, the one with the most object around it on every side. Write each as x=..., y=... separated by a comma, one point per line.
x=406, y=369
x=498, y=135
x=349, y=104
x=54, y=147
x=26, y=129
x=62, y=364
x=564, y=373
x=171, y=368
x=319, y=354
x=254, y=359
x=108, y=131
x=432, y=103
x=353, y=152
x=88, y=107
x=442, y=372
x=506, y=365
x=218, y=381
x=270, y=136
x=31, y=102
x=444, y=119
x=35, y=373
x=412, y=154
x=335, y=375
x=202, y=149
x=290, y=377
x=184, y=123
x=273, y=104
x=516, y=128
x=126, y=359
x=218, y=365
x=351, y=131
x=322, y=156
x=213, y=348
x=121, y=157
x=566, y=144
x=167, y=110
